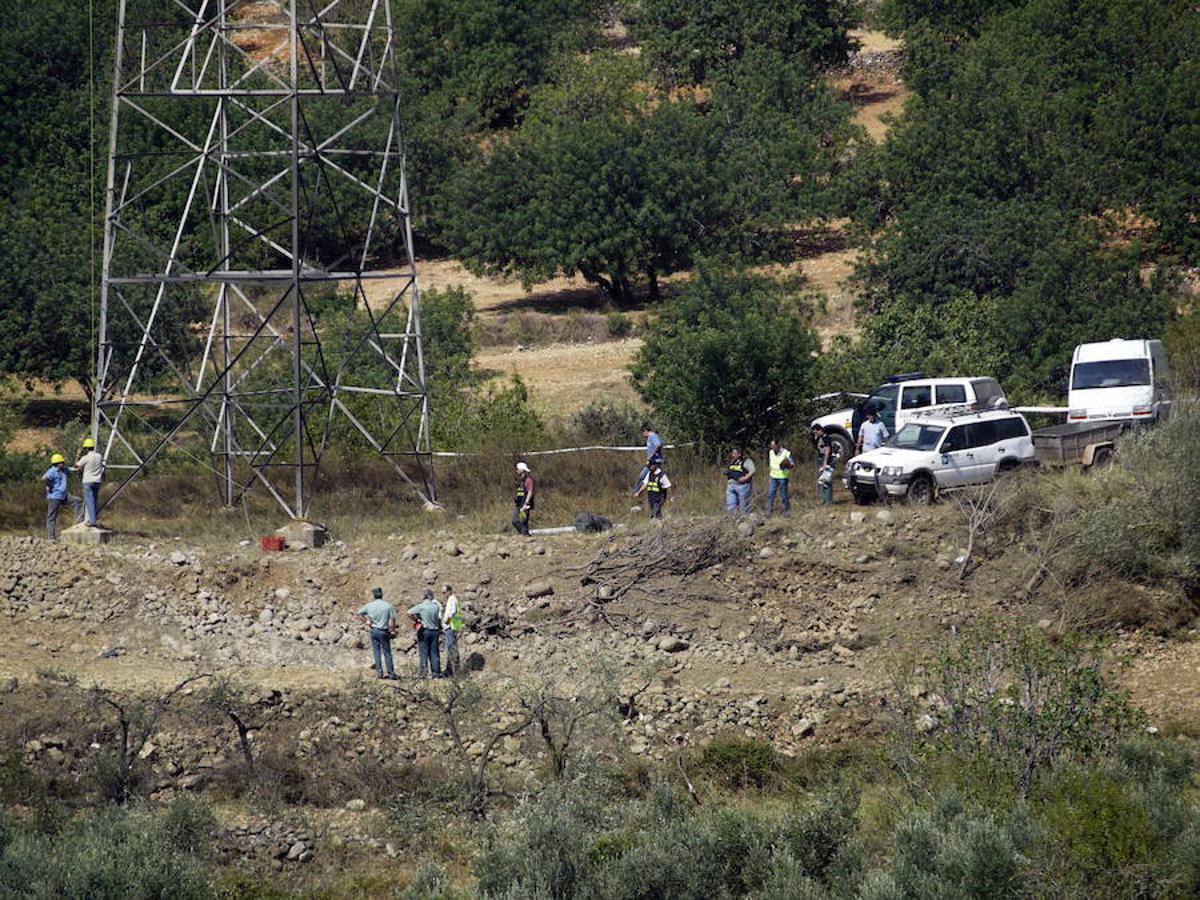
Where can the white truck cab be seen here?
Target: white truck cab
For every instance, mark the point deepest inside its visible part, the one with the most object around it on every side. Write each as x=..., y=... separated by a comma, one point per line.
x=934, y=453
x=902, y=397
x=1119, y=379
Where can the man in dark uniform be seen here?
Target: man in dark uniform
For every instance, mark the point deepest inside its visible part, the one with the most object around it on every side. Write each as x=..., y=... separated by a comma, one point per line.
x=522, y=499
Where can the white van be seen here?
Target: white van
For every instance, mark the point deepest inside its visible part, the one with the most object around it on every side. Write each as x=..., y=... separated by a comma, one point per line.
x=1119, y=379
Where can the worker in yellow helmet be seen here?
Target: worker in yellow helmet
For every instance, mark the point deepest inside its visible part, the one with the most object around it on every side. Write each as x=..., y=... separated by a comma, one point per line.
x=57, y=495
x=90, y=465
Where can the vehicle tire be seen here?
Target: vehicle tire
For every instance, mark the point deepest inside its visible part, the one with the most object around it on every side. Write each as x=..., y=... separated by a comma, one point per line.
x=1008, y=465
x=921, y=490
x=845, y=449
x=1102, y=457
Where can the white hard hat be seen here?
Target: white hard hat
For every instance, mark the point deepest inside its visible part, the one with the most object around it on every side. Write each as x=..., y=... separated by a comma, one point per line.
x=521, y=467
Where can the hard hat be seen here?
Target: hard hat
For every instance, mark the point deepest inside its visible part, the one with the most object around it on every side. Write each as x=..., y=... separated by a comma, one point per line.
x=521, y=467
x=89, y=444
x=56, y=459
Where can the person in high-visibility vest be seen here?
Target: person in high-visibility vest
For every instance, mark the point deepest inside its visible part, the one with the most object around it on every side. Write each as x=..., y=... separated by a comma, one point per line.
x=739, y=482
x=656, y=486
x=780, y=462
x=523, y=499
x=452, y=624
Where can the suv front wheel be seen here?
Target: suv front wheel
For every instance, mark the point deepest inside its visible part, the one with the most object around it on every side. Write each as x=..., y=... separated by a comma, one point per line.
x=920, y=490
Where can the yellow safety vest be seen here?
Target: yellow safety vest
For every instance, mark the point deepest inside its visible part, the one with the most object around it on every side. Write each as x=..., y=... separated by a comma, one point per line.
x=776, y=462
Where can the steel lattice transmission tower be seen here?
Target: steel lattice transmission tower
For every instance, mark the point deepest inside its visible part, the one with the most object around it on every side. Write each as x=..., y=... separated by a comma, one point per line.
x=255, y=175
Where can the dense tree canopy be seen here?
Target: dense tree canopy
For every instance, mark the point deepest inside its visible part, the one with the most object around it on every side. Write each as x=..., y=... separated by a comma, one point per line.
x=701, y=41
x=610, y=179
x=1047, y=170
x=729, y=359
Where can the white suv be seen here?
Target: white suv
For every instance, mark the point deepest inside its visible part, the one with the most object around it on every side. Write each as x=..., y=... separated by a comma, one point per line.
x=934, y=453
x=906, y=396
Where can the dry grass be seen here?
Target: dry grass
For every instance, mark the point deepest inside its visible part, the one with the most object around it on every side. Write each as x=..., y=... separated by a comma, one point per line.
x=564, y=378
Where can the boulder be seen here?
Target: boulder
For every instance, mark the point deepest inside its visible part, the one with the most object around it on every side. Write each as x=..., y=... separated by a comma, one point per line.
x=672, y=644
x=540, y=588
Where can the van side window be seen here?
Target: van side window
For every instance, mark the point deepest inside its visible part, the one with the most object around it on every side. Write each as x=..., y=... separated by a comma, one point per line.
x=956, y=439
x=951, y=393
x=916, y=397
x=1010, y=429
x=980, y=434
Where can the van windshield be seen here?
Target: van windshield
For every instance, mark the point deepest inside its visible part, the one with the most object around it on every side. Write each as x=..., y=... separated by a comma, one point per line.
x=914, y=436
x=1110, y=373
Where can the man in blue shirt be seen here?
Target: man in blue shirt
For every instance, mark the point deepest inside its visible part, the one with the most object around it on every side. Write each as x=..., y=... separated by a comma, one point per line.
x=654, y=454
x=57, y=495
x=380, y=618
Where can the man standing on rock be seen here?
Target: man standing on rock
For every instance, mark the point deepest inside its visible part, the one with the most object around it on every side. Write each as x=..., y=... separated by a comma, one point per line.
x=739, y=475
x=428, y=615
x=780, y=462
x=656, y=486
x=452, y=624
x=523, y=499
x=380, y=618
x=57, y=495
x=91, y=466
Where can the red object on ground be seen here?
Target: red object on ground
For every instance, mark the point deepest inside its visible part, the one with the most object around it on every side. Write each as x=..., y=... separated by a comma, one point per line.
x=273, y=543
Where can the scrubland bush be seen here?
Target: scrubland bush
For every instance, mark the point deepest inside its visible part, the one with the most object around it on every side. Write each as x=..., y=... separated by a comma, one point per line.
x=606, y=422
x=115, y=853
x=1137, y=520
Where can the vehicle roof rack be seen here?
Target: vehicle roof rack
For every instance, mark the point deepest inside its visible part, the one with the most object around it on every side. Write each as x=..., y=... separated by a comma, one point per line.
x=905, y=376
x=949, y=412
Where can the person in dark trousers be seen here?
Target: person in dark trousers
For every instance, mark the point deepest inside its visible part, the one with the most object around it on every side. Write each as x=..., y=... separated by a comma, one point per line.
x=780, y=463
x=654, y=452
x=428, y=616
x=523, y=499
x=57, y=495
x=656, y=486
x=380, y=619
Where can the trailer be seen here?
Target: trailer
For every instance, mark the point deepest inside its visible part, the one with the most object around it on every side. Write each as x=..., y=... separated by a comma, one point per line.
x=1077, y=443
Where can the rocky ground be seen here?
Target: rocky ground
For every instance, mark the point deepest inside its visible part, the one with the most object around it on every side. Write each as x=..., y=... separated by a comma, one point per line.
x=792, y=636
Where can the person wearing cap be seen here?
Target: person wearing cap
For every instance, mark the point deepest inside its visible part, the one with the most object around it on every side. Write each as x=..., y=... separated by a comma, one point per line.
x=523, y=499
x=57, y=495
x=656, y=486
x=452, y=624
x=91, y=466
x=427, y=615
x=827, y=457
x=380, y=619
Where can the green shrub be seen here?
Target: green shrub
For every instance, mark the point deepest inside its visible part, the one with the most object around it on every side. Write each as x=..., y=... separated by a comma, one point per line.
x=116, y=853
x=431, y=882
x=1012, y=696
x=188, y=824
x=618, y=324
x=606, y=422
x=739, y=764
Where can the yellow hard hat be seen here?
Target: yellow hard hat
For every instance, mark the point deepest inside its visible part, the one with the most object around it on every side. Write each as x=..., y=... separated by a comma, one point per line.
x=89, y=444
x=56, y=459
